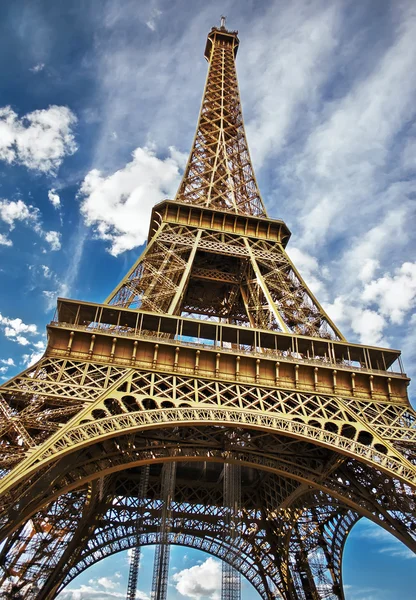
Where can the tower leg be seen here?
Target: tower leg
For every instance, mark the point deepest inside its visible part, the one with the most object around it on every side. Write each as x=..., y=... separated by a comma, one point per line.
x=162, y=554
x=231, y=579
x=136, y=552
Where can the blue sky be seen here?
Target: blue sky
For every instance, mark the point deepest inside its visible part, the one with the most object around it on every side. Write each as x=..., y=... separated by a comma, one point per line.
x=98, y=107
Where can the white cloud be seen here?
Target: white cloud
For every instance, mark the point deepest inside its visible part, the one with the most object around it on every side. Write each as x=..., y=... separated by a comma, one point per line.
x=119, y=205
x=54, y=239
x=39, y=140
x=367, y=324
x=4, y=241
x=200, y=581
x=7, y=361
x=370, y=307
x=54, y=198
x=384, y=541
x=88, y=592
x=181, y=158
x=310, y=270
x=51, y=295
x=102, y=588
x=16, y=326
x=394, y=295
x=409, y=154
x=364, y=594
x=154, y=16
x=30, y=359
x=11, y=211
x=20, y=339
x=331, y=146
x=301, y=38
x=364, y=256
x=39, y=345
x=107, y=583
x=37, y=68
x=344, y=160
x=60, y=285
x=46, y=271
x=368, y=269
x=398, y=552
x=124, y=84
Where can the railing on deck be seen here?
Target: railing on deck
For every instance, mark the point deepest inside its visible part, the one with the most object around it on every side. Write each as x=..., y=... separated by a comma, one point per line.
x=237, y=349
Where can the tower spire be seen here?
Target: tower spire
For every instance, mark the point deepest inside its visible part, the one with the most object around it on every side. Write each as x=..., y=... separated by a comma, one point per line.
x=219, y=173
x=217, y=255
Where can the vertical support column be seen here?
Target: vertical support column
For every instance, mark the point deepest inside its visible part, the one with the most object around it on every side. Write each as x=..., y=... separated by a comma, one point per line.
x=135, y=558
x=180, y=292
x=304, y=582
x=262, y=284
x=162, y=554
x=231, y=579
x=306, y=578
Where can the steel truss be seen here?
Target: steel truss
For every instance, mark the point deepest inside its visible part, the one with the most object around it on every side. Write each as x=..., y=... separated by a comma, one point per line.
x=222, y=276
x=219, y=171
x=199, y=524
x=231, y=580
x=211, y=354
x=161, y=565
x=136, y=552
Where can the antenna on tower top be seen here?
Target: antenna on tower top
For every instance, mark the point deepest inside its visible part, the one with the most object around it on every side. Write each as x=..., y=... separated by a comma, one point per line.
x=222, y=22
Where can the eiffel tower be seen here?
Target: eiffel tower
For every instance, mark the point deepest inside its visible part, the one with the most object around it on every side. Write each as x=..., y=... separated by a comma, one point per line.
x=209, y=402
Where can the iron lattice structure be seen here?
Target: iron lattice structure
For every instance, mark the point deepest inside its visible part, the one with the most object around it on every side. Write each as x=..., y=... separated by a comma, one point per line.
x=136, y=550
x=161, y=564
x=231, y=579
x=212, y=332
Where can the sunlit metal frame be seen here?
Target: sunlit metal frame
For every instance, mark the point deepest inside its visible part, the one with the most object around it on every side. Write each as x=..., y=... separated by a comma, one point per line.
x=212, y=350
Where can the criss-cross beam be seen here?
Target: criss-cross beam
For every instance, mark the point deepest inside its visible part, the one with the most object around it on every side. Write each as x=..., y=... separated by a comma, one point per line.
x=219, y=173
x=136, y=554
x=260, y=557
x=162, y=553
x=212, y=331
x=231, y=581
x=115, y=532
x=199, y=525
x=299, y=459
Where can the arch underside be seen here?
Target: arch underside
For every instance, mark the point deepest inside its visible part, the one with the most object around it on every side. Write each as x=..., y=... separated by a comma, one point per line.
x=311, y=467
x=106, y=516
x=299, y=503
x=60, y=405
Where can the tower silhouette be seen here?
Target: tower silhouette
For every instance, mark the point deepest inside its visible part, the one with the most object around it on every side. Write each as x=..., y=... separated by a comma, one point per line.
x=210, y=362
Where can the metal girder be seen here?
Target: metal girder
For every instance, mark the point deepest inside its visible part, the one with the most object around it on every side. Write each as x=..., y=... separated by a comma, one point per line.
x=113, y=527
x=136, y=553
x=231, y=580
x=219, y=171
x=167, y=278
x=162, y=553
x=319, y=431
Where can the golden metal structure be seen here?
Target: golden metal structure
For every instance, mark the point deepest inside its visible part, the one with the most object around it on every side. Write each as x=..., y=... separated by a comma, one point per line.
x=136, y=550
x=231, y=579
x=212, y=332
